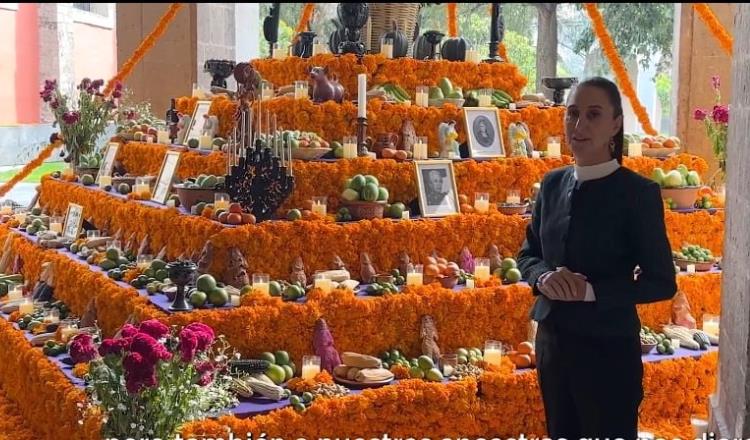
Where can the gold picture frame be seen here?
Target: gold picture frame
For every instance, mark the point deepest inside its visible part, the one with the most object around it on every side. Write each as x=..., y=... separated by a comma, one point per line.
x=73, y=221
x=484, y=144
x=163, y=182
x=431, y=203
x=195, y=129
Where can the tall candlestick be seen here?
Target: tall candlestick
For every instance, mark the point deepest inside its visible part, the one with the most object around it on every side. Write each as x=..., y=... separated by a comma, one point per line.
x=362, y=95
x=268, y=124
x=275, y=135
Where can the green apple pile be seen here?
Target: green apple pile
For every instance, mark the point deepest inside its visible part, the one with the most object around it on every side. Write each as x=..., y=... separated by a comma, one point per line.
x=37, y=225
x=649, y=336
x=205, y=181
x=380, y=289
x=469, y=355
x=281, y=368
x=445, y=89
x=364, y=188
x=508, y=271
x=419, y=368
x=694, y=254
x=704, y=203
x=208, y=291
x=680, y=177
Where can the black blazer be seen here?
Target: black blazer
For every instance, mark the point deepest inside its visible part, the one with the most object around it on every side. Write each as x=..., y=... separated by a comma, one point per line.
x=601, y=228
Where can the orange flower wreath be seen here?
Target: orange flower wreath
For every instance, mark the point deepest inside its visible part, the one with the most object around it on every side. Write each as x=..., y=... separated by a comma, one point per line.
x=714, y=25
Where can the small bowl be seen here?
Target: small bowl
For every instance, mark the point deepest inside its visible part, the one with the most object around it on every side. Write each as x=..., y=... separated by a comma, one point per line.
x=365, y=210
x=448, y=282
x=189, y=197
x=308, y=153
x=648, y=348
x=683, y=197
x=513, y=209
x=383, y=278
x=699, y=267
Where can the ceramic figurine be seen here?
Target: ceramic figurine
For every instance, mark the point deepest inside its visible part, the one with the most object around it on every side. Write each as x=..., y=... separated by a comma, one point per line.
x=429, y=336
x=338, y=263
x=447, y=136
x=44, y=288
x=366, y=270
x=681, y=311
x=324, y=348
x=466, y=260
x=210, y=126
x=298, y=272
x=520, y=138
x=236, y=272
x=408, y=136
x=324, y=89
x=404, y=263
x=496, y=260
x=182, y=127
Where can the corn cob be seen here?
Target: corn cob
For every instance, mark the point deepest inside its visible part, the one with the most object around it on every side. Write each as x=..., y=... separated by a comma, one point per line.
x=240, y=387
x=273, y=392
x=683, y=334
x=249, y=366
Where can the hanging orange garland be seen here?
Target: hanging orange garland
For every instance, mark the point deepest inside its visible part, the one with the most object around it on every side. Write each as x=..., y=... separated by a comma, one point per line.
x=452, y=20
x=610, y=51
x=304, y=20
x=714, y=25
x=29, y=167
x=144, y=47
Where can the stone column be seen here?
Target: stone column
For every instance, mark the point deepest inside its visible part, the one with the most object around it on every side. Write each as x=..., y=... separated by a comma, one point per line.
x=731, y=403
x=56, y=48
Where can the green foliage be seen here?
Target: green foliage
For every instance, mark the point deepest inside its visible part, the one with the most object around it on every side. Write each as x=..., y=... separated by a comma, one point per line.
x=289, y=15
x=523, y=55
x=664, y=92
x=639, y=30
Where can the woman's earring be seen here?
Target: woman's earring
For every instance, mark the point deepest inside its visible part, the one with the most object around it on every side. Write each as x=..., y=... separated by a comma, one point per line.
x=612, y=145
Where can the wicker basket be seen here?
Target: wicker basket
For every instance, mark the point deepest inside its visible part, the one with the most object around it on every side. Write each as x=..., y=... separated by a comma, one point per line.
x=382, y=16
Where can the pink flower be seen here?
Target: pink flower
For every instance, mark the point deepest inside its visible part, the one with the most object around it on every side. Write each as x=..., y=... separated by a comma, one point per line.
x=139, y=373
x=128, y=330
x=114, y=346
x=154, y=328
x=720, y=114
x=188, y=344
x=715, y=82
x=699, y=114
x=71, y=117
x=82, y=348
x=148, y=347
x=204, y=333
x=206, y=379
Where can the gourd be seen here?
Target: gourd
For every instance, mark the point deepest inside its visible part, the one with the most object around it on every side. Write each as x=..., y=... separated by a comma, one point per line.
x=336, y=37
x=702, y=339
x=421, y=49
x=360, y=360
x=400, y=43
x=683, y=334
x=454, y=49
x=273, y=392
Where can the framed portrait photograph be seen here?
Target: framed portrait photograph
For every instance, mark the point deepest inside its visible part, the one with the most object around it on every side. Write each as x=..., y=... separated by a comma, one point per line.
x=436, y=183
x=195, y=129
x=483, y=132
x=73, y=221
x=167, y=172
x=108, y=163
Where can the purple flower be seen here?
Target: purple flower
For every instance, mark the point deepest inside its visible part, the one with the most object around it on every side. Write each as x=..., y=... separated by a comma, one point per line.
x=82, y=348
x=128, y=330
x=139, y=373
x=85, y=84
x=154, y=328
x=148, y=347
x=118, y=86
x=97, y=83
x=720, y=114
x=715, y=82
x=699, y=114
x=54, y=104
x=188, y=344
x=114, y=346
x=206, y=379
x=204, y=333
x=71, y=117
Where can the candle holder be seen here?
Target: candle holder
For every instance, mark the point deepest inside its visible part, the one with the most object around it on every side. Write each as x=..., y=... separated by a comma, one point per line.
x=181, y=273
x=172, y=119
x=497, y=31
x=353, y=16
x=303, y=48
x=271, y=27
x=559, y=85
x=362, y=147
x=220, y=71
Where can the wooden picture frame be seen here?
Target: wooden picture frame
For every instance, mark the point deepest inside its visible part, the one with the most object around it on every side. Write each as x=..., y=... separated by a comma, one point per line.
x=434, y=201
x=73, y=221
x=163, y=182
x=108, y=161
x=484, y=134
x=195, y=129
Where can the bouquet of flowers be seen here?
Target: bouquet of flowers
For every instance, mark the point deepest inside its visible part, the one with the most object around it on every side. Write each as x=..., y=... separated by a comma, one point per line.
x=717, y=125
x=83, y=118
x=151, y=379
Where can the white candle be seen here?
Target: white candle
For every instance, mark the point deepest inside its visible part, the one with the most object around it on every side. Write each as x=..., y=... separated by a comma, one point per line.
x=319, y=208
x=691, y=268
x=414, y=279
x=323, y=284
x=171, y=203
x=482, y=273
x=350, y=151
x=482, y=202
x=205, y=142
x=513, y=200
x=469, y=283
x=471, y=55
x=261, y=287
x=535, y=155
x=405, y=215
x=105, y=181
x=420, y=151
x=422, y=96
x=386, y=50
x=372, y=155
x=55, y=227
x=553, y=149
x=635, y=149
x=26, y=308
x=362, y=95
x=162, y=136
x=235, y=300
x=711, y=327
x=485, y=100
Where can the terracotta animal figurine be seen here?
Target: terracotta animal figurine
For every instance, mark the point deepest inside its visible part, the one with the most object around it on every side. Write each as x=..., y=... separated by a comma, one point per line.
x=466, y=260
x=681, y=311
x=323, y=345
x=206, y=257
x=44, y=289
x=496, y=260
x=89, y=317
x=447, y=136
x=338, y=263
x=429, y=336
x=404, y=263
x=323, y=88
x=366, y=270
x=236, y=272
x=408, y=136
x=298, y=272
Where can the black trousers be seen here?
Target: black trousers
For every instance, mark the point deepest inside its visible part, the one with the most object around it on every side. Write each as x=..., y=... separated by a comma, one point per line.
x=591, y=386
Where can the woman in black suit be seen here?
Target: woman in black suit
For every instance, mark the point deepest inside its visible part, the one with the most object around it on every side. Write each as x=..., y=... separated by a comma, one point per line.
x=593, y=223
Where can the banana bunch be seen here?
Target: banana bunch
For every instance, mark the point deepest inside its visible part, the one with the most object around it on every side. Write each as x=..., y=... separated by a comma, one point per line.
x=395, y=92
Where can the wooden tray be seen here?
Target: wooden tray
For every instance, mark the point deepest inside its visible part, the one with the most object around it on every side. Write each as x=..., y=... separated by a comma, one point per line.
x=699, y=267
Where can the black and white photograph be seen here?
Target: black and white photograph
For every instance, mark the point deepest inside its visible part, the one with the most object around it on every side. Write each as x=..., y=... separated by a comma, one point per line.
x=166, y=175
x=196, y=123
x=436, y=182
x=485, y=137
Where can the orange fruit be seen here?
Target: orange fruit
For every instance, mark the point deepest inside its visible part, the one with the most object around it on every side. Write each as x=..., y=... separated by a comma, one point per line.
x=234, y=219
x=463, y=199
x=235, y=208
x=401, y=155
x=223, y=217
x=248, y=219
x=525, y=348
x=533, y=359
x=431, y=270
x=430, y=260
x=441, y=260
x=523, y=361
x=442, y=268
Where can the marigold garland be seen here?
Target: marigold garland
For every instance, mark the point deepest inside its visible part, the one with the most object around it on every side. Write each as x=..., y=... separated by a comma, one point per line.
x=714, y=25
x=143, y=48
x=304, y=20
x=452, y=19
x=618, y=67
x=29, y=167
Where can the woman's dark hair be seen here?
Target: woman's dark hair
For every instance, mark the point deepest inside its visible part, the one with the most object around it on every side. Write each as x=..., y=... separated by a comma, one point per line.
x=613, y=93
